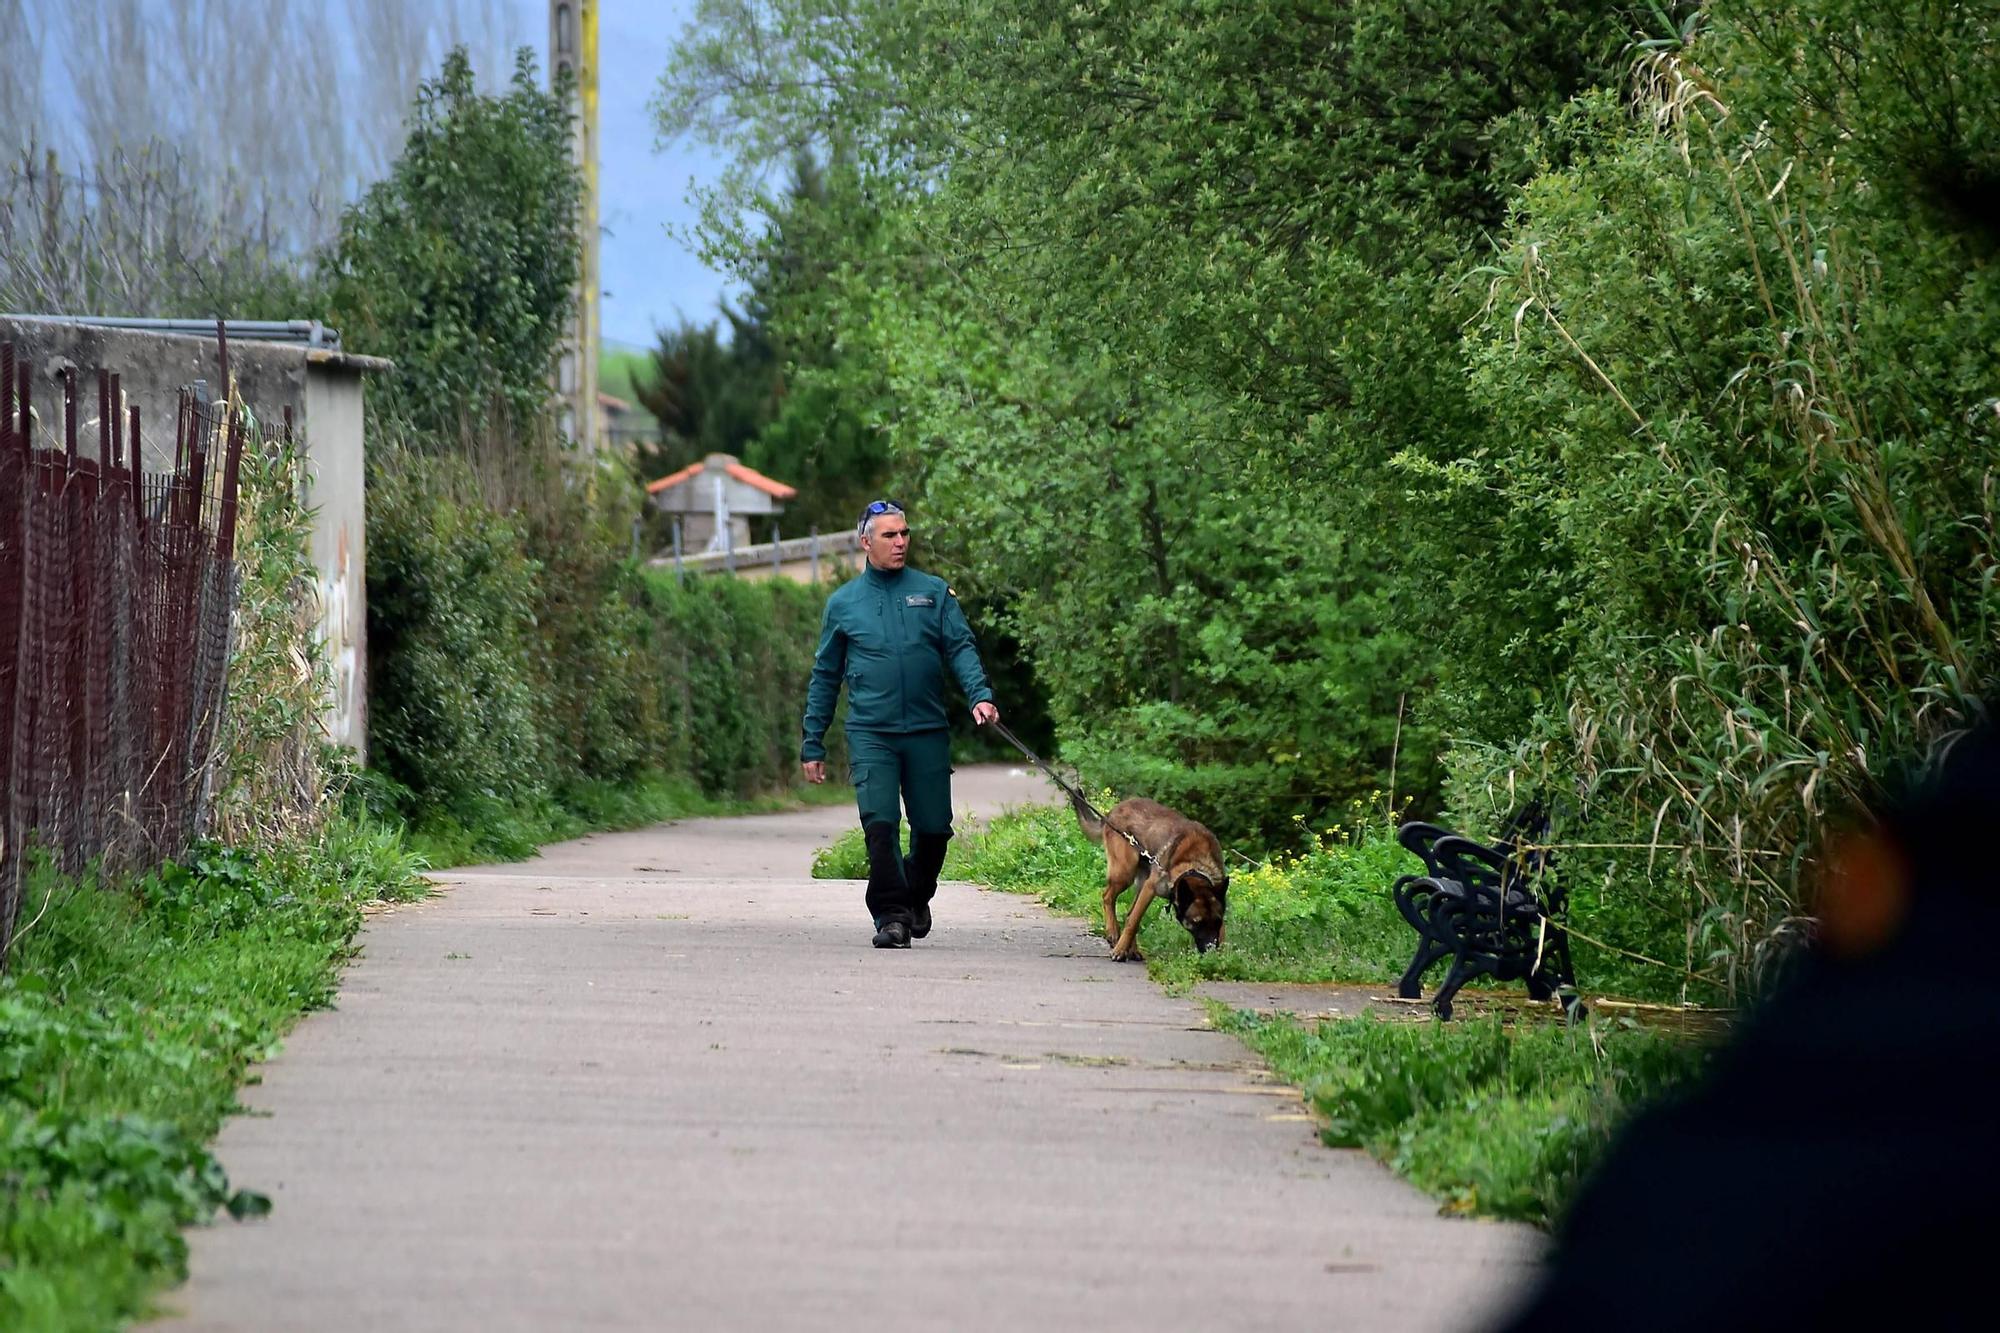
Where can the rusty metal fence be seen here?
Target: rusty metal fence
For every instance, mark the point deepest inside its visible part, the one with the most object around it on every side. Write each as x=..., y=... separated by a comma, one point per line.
x=117, y=587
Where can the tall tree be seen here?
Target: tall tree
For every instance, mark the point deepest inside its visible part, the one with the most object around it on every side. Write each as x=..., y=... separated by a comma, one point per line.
x=460, y=264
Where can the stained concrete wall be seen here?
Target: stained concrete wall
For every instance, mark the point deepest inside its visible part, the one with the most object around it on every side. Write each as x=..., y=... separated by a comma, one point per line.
x=324, y=390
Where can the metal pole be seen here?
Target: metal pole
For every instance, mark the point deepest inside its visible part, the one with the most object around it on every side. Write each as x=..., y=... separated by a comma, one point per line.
x=728, y=539
x=815, y=553
x=679, y=575
x=777, y=540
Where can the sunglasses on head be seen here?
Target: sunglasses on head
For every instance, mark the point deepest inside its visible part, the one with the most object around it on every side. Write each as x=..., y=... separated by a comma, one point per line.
x=877, y=507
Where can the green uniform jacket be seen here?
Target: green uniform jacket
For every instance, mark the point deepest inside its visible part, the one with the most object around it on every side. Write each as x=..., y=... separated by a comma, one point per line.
x=888, y=638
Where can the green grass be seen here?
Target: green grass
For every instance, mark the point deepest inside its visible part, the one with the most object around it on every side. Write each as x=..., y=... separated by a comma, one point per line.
x=1496, y=1120
x=128, y=1019
x=504, y=831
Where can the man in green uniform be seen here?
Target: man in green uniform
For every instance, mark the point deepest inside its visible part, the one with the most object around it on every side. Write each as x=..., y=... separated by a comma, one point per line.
x=888, y=636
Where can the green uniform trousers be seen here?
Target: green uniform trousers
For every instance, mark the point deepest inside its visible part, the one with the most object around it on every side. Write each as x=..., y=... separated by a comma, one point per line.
x=894, y=769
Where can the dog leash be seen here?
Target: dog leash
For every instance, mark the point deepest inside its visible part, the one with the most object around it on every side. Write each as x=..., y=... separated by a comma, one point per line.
x=1072, y=792
x=1095, y=813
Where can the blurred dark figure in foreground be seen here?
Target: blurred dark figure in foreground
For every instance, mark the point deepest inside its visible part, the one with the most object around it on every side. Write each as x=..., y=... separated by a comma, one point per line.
x=1839, y=1167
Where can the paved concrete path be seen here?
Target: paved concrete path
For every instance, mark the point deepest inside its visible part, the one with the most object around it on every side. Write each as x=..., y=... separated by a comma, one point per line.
x=659, y=1080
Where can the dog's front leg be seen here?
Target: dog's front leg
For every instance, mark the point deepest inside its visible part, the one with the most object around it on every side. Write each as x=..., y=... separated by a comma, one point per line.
x=1111, y=892
x=1127, y=948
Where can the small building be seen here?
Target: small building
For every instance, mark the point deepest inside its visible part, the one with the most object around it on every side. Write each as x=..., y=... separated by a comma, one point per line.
x=714, y=499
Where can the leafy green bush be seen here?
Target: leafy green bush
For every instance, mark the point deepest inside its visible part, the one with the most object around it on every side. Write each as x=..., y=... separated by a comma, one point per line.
x=597, y=678
x=126, y=1023
x=459, y=266
x=1496, y=1119
x=731, y=659
x=521, y=667
x=452, y=598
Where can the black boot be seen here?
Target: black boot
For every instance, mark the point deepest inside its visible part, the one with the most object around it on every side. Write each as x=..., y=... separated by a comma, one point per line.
x=888, y=891
x=920, y=871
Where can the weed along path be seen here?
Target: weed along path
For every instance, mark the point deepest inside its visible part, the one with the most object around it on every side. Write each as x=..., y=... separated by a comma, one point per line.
x=659, y=1080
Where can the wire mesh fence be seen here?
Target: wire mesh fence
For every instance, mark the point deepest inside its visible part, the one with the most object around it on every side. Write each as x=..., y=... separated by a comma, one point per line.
x=117, y=587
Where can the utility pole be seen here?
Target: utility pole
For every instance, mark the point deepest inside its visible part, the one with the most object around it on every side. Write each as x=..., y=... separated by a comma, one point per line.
x=573, y=51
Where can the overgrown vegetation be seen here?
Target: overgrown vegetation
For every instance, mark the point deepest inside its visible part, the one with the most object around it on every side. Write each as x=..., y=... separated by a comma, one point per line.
x=528, y=678
x=275, y=766
x=128, y=1017
x=1567, y=400
x=132, y=1007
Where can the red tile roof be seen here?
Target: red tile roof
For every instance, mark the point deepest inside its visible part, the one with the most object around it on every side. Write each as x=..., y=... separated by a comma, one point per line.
x=673, y=478
x=749, y=476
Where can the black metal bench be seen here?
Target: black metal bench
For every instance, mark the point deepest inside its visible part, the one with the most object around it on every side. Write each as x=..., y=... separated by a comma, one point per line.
x=1494, y=911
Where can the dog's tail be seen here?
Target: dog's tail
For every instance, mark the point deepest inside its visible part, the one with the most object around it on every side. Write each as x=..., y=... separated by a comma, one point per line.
x=1093, y=824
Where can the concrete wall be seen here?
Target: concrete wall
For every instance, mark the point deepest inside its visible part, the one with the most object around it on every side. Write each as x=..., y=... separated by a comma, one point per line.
x=152, y=368
x=798, y=571
x=698, y=530
x=324, y=390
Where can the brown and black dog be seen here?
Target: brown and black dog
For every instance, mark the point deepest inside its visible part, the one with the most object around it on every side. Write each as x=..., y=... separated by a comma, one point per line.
x=1186, y=865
